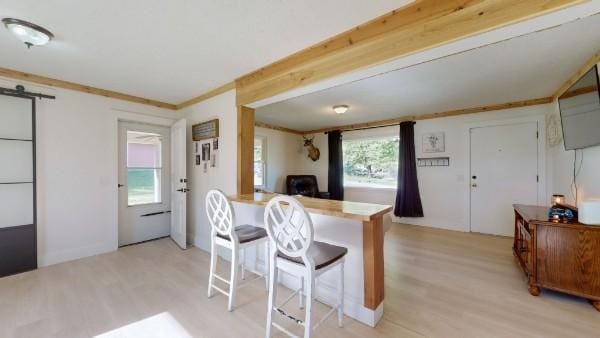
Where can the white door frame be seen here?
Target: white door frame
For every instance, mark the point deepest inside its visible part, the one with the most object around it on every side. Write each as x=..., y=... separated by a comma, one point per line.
x=540, y=119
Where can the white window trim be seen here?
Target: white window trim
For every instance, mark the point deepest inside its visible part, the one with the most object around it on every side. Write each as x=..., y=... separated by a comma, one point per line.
x=263, y=159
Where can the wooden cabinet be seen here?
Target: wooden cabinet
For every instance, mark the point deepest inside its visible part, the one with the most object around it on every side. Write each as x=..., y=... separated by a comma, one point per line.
x=562, y=256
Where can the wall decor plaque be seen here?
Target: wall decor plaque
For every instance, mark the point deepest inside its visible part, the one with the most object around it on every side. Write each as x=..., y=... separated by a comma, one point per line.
x=205, y=130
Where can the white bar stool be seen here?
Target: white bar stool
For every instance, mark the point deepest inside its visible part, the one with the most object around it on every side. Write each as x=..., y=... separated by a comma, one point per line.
x=294, y=251
x=222, y=220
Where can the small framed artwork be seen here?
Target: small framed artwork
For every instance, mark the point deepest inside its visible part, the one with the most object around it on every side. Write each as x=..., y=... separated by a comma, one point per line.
x=434, y=142
x=198, y=159
x=205, y=152
x=216, y=144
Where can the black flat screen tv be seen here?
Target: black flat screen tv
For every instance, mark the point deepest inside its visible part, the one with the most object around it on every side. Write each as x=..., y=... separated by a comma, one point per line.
x=580, y=112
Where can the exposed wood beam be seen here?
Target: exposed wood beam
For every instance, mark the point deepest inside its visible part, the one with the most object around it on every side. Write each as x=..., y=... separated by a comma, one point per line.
x=421, y=25
x=245, y=150
x=219, y=90
x=278, y=128
x=579, y=91
x=577, y=75
x=396, y=121
x=14, y=74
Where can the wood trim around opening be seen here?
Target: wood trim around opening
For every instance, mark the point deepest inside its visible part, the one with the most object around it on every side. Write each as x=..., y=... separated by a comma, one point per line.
x=14, y=74
x=245, y=150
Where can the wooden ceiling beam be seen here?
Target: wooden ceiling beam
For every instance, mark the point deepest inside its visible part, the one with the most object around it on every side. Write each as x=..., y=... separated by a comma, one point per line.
x=14, y=74
x=458, y=112
x=591, y=62
x=419, y=26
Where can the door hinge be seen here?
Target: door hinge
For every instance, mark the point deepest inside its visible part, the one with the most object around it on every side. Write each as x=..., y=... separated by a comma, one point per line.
x=537, y=178
x=537, y=134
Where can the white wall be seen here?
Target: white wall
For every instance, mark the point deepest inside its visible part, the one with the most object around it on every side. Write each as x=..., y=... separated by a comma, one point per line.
x=224, y=177
x=282, y=151
x=77, y=170
x=286, y=155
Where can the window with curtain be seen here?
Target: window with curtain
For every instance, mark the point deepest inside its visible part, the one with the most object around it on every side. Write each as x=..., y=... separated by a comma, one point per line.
x=371, y=162
x=260, y=162
x=144, y=168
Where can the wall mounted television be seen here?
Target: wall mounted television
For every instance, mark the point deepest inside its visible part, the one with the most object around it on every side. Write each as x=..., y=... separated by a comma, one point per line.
x=580, y=112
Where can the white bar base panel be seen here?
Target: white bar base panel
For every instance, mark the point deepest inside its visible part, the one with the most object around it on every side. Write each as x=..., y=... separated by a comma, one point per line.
x=338, y=231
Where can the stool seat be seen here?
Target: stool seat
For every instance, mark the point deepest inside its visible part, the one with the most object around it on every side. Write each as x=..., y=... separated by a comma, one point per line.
x=247, y=233
x=322, y=253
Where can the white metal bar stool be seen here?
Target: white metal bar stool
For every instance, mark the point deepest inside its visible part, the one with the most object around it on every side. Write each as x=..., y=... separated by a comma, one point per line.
x=224, y=233
x=294, y=251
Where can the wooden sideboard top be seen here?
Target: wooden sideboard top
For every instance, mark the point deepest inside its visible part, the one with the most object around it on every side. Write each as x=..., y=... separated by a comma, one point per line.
x=539, y=215
x=344, y=209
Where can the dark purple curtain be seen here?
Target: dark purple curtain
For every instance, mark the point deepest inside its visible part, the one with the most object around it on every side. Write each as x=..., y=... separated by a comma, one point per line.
x=336, y=166
x=408, y=200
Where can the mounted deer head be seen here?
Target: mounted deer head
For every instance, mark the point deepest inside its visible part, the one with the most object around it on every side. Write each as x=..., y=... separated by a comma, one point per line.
x=313, y=152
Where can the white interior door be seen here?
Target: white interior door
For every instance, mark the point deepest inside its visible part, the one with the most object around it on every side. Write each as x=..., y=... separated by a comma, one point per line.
x=504, y=171
x=144, y=182
x=179, y=183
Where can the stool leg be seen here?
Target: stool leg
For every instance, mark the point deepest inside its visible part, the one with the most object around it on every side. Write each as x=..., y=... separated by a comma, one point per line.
x=272, y=295
x=301, y=294
x=243, y=261
x=310, y=295
x=213, y=265
x=267, y=270
x=340, y=309
x=233, y=277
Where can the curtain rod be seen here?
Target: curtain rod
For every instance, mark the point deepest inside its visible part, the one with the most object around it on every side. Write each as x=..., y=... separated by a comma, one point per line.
x=20, y=91
x=372, y=127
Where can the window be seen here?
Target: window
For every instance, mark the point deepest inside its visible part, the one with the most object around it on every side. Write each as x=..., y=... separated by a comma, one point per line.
x=371, y=162
x=144, y=168
x=260, y=162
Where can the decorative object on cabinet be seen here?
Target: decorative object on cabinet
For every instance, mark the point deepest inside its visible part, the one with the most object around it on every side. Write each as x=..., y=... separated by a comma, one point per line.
x=589, y=212
x=558, y=199
x=558, y=255
x=434, y=142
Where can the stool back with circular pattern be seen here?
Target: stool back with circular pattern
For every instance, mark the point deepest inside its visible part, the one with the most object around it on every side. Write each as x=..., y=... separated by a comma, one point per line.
x=289, y=226
x=220, y=213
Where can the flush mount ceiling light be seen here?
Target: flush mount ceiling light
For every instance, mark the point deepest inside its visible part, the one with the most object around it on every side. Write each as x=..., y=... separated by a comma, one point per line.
x=31, y=34
x=340, y=109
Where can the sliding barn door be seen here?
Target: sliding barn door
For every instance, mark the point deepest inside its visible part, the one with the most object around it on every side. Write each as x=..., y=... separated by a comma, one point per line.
x=18, y=248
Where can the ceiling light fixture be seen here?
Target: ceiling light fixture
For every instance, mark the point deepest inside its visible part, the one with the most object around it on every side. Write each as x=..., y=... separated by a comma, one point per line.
x=31, y=34
x=340, y=109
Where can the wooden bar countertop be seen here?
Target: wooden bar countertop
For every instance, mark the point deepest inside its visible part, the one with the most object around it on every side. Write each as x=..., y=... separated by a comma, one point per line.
x=345, y=209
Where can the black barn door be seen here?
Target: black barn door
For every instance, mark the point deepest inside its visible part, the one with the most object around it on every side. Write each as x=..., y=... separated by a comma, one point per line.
x=18, y=243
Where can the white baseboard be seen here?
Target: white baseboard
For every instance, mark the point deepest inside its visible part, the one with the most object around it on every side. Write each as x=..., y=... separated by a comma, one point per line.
x=52, y=258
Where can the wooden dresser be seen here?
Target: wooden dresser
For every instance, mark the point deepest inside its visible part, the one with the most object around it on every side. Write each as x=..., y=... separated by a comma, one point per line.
x=561, y=256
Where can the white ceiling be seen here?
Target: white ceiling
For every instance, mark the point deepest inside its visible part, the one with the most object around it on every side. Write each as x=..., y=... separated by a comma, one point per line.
x=173, y=50
x=527, y=67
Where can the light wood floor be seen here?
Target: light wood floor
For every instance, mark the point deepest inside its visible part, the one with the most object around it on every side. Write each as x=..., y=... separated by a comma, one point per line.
x=438, y=284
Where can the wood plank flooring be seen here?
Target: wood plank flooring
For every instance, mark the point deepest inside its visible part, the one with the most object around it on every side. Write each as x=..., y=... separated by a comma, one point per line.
x=438, y=284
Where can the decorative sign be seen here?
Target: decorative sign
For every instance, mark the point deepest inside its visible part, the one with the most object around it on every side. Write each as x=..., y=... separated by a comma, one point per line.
x=434, y=142
x=205, y=130
x=434, y=162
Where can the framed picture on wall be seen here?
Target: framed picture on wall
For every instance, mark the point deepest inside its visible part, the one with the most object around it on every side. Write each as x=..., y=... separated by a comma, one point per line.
x=434, y=142
x=205, y=152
